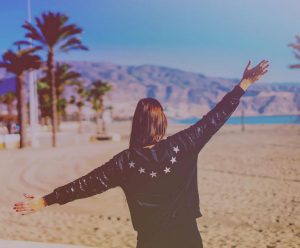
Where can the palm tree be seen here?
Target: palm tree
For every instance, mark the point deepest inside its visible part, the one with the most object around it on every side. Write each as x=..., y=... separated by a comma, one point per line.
x=95, y=95
x=64, y=76
x=8, y=99
x=296, y=47
x=53, y=33
x=17, y=63
x=44, y=98
x=79, y=101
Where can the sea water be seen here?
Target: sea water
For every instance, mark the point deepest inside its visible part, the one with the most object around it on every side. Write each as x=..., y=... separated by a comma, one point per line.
x=274, y=119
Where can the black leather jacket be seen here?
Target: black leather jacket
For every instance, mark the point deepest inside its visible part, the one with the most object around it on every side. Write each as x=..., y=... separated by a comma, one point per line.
x=160, y=183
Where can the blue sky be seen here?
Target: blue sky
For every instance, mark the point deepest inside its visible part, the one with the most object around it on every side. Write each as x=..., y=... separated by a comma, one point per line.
x=213, y=37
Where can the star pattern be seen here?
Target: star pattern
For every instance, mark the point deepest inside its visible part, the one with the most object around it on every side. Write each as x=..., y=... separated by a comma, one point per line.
x=173, y=160
x=153, y=174
x=176, y=149
x=131, y=164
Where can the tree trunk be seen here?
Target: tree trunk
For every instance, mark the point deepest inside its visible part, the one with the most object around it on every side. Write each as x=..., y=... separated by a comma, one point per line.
x=9, y=127
x=101, y=111
x=97, y=121
x=79, y=119
x=59, y=118
x=10, y=108
x=103, y=124
x=47, y=121
x=51, y=75
x=22, y=110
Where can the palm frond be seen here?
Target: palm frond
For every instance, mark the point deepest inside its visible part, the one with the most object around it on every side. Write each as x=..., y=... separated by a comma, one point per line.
x=296, y=66
x=42, y=85
x=20, y=43
x=297, y=55
x=76, y=47
x=9, y=55
x=53, y=31
x=72, y=44
x=33, y=33
x=69, y=30
x=20, y=61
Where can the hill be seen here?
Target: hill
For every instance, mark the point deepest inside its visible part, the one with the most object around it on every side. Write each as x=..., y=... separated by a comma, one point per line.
x=183, y=94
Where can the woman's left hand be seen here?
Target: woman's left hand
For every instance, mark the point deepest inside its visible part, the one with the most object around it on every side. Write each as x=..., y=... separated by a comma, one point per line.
x=32, y=205
x=253, y=74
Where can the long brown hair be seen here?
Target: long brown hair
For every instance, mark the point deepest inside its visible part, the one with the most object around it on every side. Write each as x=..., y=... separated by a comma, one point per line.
x=149, y=123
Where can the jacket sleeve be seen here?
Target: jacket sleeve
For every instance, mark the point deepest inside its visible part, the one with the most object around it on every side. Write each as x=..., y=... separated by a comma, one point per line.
x=104, y=177
x=197, y=135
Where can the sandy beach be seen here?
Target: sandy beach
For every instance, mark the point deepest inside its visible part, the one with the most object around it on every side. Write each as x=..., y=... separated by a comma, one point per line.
x=249, y=185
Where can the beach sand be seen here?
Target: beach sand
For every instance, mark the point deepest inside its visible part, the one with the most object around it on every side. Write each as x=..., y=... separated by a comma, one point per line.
x=249, y=185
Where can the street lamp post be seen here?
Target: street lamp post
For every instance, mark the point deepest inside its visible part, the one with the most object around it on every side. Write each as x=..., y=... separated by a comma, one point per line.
x=33, y=113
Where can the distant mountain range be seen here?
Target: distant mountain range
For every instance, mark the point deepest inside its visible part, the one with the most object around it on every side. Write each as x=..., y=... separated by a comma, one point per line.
x=183, y=94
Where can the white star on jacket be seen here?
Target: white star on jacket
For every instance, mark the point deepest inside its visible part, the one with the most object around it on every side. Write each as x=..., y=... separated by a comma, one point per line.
x=173, y=160
x=176, y=149
x=153, y=174
x=167, y=170
x=131, y=164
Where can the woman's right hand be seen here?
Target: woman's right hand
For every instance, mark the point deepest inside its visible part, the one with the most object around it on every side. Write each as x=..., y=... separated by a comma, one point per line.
x=32, y=205
x=251, y=75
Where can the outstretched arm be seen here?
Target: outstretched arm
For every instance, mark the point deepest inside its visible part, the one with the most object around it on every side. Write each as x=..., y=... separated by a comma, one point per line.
x=104, y=177
x=95, y=182
x=196, y=136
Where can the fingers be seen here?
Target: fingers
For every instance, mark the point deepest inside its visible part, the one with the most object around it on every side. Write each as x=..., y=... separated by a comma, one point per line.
x=20, y=207
x=255, y=73
x=28, y=196
x=261, y=68
x=263, y=61
x=25, y=207
x=261, y=74
x=248, y=65
x=264, y=68
x=20, y=204
x=28, y=212
x=24, y=210
x=264, y=64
